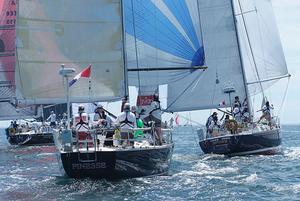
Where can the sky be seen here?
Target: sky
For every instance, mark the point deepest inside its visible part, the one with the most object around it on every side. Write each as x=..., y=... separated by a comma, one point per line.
x=287, y=14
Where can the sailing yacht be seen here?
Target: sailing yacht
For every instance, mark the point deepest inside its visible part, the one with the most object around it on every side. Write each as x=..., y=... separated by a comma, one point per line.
x=244, y=56
x=9, y=109
x=49, y=34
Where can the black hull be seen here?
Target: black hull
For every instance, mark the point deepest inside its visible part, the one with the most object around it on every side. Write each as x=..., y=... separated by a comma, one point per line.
x=265, y=142
x=118, y=164
x=30, y=139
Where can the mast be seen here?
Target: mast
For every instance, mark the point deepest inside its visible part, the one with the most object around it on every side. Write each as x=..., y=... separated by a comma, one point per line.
x=240, y=55
x=124, y=51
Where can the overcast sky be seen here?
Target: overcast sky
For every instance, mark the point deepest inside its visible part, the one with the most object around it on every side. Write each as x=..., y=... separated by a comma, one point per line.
x=287, y=14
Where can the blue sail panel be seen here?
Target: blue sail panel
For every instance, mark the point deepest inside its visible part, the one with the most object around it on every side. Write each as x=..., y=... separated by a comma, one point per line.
x=181, y=12
x=145, y=21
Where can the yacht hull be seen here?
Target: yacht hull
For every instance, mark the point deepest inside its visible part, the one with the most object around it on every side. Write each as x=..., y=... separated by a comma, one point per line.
x=29, y=139
x=118, y=164
x=263, y=142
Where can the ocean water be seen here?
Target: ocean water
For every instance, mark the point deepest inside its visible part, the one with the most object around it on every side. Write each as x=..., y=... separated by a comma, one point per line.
x=32, y=173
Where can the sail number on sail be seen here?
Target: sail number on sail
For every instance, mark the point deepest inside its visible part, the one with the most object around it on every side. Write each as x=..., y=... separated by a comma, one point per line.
x=11, y=13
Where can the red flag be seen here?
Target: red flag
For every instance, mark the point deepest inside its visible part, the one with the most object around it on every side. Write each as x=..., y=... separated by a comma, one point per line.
x=85, y=73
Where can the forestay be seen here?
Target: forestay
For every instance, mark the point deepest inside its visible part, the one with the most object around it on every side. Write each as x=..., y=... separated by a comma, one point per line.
x=75, y=33
x=207, y=90
x=162, y=37
x=264, y=42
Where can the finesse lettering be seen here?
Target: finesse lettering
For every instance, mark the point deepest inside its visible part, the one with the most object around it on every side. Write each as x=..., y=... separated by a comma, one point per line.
x=88, y=166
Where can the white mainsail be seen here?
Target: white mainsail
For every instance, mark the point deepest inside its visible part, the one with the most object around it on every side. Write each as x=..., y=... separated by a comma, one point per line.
x=210, y=89
x=74, y=33
x=262, y=51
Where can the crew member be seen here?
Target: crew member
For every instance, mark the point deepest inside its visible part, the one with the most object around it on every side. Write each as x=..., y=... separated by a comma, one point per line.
x=52, y=119
x=126, y=120
x=101, y=118
x=139, y=123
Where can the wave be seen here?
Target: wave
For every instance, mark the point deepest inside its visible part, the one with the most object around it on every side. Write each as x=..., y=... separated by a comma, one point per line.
x=292, y=153
x=204, y=168
x=251, y=179
x=294, y=188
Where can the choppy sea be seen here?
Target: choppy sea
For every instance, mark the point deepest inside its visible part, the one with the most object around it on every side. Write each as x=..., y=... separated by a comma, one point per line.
x=32, y=173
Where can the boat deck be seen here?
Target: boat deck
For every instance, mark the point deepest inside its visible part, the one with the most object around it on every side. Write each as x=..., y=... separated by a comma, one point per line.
x=203, y=135
x=94, y=142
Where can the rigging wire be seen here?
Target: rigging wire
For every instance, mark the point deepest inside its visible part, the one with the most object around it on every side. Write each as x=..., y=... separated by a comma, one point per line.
x=250, y=46
x=284, y=97
x=135, y=41
x=261, y=39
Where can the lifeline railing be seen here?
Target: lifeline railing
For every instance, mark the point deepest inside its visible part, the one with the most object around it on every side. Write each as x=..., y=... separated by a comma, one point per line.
x=203, y=132
x=97, y=138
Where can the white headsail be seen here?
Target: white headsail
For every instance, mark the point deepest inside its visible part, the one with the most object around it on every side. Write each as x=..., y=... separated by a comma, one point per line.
x=74, y=33
x=262, y=51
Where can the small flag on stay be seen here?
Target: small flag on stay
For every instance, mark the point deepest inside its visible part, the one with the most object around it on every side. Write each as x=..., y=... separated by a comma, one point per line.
x=84, y=73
